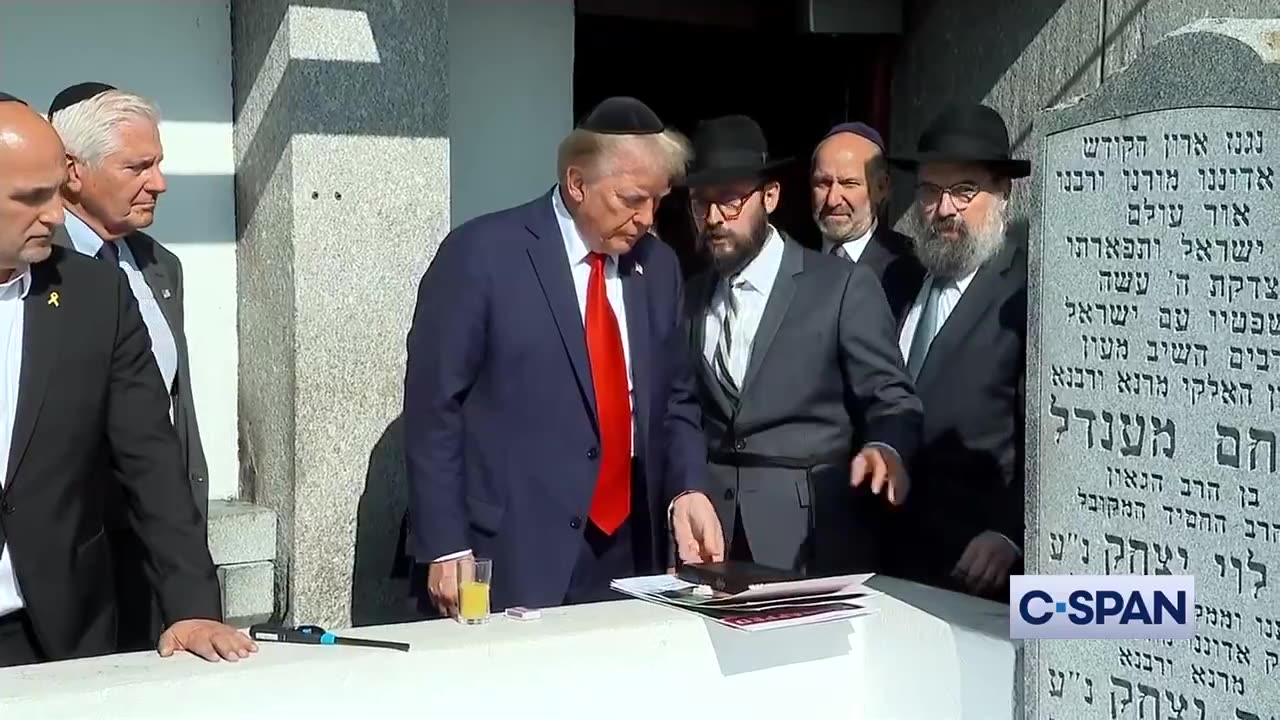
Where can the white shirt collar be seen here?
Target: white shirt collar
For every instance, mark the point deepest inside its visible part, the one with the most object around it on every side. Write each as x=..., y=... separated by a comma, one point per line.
x=763, y=268
x=960, y=284
x=22, y=279
x=83, y=238
x=575, y=246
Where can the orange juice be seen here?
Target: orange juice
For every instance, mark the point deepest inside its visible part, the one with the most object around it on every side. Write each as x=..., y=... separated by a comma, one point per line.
x=473, y=601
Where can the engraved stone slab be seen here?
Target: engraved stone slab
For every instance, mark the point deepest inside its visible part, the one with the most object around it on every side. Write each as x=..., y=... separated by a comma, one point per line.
x=1154, y=373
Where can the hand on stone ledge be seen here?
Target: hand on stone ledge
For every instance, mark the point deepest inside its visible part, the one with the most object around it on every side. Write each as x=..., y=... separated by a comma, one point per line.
x=209, y=639
x=984, y=566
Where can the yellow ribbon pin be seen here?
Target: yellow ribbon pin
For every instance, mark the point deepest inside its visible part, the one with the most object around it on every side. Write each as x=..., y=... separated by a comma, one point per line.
x=53, y=299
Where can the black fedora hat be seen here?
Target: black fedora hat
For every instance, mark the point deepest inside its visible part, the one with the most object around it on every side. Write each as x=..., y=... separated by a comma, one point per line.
x=729, y=149
x=967, y=133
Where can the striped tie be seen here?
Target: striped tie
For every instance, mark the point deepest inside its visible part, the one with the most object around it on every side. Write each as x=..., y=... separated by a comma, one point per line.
x=724, y=348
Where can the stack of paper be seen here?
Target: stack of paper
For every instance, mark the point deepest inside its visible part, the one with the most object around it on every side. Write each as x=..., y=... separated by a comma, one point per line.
x=763, y=607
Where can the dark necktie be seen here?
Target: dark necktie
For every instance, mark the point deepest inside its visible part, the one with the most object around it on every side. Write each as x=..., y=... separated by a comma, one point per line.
x=611, y=503
x=839, y=251
x=109, y=251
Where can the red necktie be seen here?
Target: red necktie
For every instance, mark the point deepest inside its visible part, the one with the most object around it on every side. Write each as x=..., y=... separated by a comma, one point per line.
x=612, y=500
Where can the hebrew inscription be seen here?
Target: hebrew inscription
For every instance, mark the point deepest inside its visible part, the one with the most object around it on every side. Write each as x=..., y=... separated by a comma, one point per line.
x=1159, y=308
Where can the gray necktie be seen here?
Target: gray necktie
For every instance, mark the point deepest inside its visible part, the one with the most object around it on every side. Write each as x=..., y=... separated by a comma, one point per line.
x=839, y=251
x=925, y=328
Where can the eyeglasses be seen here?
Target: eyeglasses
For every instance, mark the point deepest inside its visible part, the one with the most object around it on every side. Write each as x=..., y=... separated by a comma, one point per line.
x=730, y=209
x=929, y=195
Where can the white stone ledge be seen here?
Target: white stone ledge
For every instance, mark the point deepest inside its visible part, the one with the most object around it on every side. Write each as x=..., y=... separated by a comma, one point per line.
x=240, y=532
x=949, y=659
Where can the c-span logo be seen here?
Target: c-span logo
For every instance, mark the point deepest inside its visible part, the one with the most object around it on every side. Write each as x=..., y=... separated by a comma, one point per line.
x=1102, y=607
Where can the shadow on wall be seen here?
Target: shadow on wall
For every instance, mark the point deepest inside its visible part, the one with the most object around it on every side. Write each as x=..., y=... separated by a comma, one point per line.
x=379, y=591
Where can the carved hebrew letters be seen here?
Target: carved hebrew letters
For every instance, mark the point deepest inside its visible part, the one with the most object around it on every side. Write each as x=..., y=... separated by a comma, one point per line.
x=1157, y=404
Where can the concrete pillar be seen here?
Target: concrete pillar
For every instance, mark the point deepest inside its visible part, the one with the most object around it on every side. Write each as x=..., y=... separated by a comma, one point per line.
x=342, y=195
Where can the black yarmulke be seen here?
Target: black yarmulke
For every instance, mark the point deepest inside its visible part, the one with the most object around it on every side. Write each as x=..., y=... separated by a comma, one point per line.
x=6, y=97
x=622, y=116
x=77, y=94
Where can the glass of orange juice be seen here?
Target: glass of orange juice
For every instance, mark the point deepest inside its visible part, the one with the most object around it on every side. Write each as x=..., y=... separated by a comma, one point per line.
x=474, y=577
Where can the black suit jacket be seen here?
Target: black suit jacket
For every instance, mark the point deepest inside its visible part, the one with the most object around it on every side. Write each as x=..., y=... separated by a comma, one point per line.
x=90, y=398
x=889, y=255
x=825, y=377
x=968, y=474
x=163, y=273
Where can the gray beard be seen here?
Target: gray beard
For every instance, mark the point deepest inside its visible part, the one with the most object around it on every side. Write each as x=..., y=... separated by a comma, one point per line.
x=952, y=259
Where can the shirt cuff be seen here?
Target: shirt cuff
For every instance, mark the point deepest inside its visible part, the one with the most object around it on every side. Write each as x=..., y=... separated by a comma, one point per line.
x=452, y=556
x=1016, y=548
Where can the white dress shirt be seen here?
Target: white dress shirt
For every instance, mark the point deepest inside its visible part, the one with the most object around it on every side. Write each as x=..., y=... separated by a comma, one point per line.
x=751, y=288
x=163, y=346
x=855, y=247
x=12, y=295
x=576, y=254
x=952, y=291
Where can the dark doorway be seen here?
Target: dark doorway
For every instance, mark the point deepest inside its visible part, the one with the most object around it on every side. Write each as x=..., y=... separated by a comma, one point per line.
x=747, y=57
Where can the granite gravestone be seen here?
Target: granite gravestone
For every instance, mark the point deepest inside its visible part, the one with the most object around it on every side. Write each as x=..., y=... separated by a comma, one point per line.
x=1154, y=372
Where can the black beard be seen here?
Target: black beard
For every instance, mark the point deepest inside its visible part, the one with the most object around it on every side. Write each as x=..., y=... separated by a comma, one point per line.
x=744, y=249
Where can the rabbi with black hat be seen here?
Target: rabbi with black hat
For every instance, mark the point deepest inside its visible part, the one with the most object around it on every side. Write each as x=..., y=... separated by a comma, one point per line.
x=549, y=416
x=964, y=338
x=808, y=412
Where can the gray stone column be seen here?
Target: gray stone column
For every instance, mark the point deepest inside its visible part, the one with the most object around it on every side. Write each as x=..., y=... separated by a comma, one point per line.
x=342, y=192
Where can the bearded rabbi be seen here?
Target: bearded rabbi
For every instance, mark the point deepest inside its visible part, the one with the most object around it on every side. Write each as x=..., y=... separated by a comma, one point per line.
x=809, y=415
x=964, y=341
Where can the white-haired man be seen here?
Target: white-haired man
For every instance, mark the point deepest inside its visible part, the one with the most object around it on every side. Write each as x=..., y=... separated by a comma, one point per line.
x=550, y=419
x=114, y=181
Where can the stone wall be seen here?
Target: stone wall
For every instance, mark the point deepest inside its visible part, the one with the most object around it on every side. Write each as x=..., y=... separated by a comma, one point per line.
x=1021, y=57
x=342, y=195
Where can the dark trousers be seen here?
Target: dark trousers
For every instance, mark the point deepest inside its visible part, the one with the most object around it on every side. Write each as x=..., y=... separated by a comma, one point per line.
x=18, y=644
x=602, y=558
x=628, y=552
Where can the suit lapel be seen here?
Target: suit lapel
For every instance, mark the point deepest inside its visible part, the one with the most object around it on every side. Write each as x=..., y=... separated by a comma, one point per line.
x=702, y=292
x=985, y=289
x=876, y=256
x=41, y=339
x=635, y=296
x=546, y=251
x=784, y=288
x=156, y=275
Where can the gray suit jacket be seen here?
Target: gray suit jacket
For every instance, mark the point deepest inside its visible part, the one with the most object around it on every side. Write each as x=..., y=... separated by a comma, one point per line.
x=825, y=378
x=163, y=273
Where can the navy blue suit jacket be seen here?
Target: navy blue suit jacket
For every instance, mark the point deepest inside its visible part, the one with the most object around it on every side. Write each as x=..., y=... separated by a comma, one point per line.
x=501, y=442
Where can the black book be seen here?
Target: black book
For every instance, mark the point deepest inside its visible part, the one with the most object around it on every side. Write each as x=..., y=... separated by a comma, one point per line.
x=733, y=577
